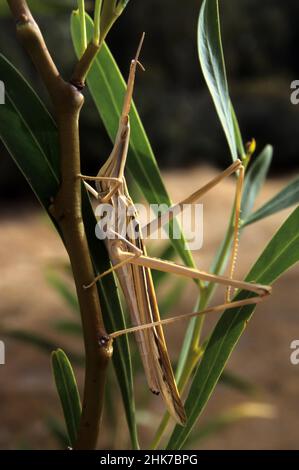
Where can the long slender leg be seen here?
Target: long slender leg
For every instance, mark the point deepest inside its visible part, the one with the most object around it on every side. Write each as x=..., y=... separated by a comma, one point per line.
x=234, y=253
x=170, y=267
x=116, y=184
x=176, y=209
x=136, y=252
x=91, y=190
x=167, y=321
x=173, y=268
x=110, y=270
x=112, y=191
x=98, y=178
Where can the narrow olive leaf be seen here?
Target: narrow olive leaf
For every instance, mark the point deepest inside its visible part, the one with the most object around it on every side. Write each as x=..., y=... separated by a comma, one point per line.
x=281, y=253
x=107, y=88
x=288, y=197
x=213, y=67
x=36, y=153
x=255, y=178
x=68, y=392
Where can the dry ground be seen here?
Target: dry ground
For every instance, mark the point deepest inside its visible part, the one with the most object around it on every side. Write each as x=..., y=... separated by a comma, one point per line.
x=28, y=245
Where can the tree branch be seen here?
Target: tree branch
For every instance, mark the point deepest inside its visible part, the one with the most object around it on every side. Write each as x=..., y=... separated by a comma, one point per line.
x=108, y=16
x=83, y=65
x=67, y=210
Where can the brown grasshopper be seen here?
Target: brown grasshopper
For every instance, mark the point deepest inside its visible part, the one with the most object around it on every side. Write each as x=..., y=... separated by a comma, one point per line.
x=133, y=266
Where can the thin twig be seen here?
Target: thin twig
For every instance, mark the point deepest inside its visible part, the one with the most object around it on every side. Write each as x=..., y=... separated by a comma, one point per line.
x=83, y=65
x=105, y=17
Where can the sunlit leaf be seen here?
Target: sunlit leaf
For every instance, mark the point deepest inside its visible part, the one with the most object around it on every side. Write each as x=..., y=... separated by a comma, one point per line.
x=288, y=197
x=213, y=67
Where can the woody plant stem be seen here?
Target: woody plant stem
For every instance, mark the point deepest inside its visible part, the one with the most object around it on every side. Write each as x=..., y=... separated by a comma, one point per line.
x=66, y=208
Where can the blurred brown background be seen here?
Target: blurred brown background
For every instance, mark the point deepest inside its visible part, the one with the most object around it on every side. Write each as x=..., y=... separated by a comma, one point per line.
x=260, y=45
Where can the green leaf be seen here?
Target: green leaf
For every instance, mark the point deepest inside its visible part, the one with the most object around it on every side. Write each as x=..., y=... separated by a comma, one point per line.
x=68, y=392
x=107, y=88
x=281, y=253
x=255, y=178
x=288, y=197
x=213, y=67
x=36, y=153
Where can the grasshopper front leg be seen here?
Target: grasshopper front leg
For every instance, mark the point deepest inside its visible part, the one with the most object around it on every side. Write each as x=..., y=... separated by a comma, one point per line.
x=136, y=253
x=117, y=182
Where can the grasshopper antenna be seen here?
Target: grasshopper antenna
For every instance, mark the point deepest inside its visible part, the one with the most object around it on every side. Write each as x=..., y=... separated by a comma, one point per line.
x=136, y=59
x=131, y=79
